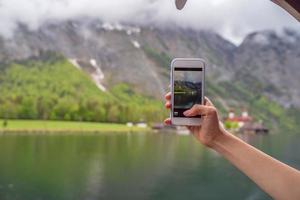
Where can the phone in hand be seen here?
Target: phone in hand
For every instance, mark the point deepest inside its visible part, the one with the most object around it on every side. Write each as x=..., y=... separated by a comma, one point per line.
x=187, y=89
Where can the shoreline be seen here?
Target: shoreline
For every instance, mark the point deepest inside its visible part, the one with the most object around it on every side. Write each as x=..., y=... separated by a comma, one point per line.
x=67, y=131
x=63, y=127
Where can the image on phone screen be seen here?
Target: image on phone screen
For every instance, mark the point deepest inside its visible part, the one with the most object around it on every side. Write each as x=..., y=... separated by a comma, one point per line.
x=187, y=89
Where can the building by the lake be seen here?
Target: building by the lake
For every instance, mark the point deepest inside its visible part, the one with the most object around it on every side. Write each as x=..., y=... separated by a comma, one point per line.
x=244, y=123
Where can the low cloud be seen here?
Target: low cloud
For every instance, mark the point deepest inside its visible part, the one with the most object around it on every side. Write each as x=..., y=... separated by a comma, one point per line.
x=231, y=18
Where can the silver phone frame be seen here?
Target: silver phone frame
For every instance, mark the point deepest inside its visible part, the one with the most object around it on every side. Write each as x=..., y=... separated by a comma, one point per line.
x=186, y=63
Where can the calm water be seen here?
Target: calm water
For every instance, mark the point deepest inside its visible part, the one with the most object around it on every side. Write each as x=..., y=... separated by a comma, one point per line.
x=127, y=166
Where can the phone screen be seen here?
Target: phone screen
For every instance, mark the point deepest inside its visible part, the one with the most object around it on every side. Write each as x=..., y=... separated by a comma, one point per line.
x=187, y=89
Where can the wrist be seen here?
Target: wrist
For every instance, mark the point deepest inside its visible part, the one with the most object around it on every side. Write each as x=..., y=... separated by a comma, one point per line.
x=220, y=140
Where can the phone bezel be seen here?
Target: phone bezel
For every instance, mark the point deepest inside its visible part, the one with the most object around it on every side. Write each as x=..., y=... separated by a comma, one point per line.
x=186, y=63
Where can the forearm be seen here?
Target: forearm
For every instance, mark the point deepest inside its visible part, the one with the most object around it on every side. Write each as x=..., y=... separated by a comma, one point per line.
x=277, y=179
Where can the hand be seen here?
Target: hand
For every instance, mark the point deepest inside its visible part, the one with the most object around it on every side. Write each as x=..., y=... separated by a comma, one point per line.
x=210, y=127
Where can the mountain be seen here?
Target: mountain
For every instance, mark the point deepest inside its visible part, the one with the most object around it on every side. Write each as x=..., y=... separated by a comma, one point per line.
x=50, y=87
x=123, y=53
x=274, y=61
x=259, y=74
x=131, y=54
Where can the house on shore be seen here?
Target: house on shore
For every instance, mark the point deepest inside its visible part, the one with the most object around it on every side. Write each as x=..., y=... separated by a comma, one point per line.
x=244, y=123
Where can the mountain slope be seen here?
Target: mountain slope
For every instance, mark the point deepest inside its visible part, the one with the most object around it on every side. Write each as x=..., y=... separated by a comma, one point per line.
x=130, y=54
x=52, y=88
x=274, y=62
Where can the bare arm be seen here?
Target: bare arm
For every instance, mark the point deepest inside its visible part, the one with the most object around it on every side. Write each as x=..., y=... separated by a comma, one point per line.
x=276, y=178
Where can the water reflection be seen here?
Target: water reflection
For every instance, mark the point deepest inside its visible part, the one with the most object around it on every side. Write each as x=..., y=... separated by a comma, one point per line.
x=126, y=166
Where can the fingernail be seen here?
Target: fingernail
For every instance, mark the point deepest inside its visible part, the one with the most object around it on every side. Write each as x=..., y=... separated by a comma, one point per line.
x=187, y=113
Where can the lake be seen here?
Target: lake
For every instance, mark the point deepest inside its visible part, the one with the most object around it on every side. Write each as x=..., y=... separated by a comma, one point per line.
x=128, y=166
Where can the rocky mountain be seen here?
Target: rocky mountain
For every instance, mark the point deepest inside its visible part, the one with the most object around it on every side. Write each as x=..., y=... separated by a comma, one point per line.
x=266, y=62
x=273, y=61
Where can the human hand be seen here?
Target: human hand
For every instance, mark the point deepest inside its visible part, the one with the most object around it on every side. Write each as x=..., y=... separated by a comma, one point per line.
x=210, y=127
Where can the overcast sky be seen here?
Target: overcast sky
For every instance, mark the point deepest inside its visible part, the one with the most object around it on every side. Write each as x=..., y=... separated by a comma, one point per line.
x=231, y=18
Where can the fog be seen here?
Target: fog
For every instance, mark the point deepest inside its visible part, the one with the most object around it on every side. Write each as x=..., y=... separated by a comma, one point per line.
x=231, y=18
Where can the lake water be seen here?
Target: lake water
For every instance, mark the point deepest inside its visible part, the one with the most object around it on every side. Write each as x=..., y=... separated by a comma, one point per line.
x=128, y=166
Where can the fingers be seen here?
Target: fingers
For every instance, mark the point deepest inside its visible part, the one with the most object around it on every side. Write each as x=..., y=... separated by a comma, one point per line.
x=168, y=102
x=199, y=110
x=168, y=96
x=205, y=109
x=168, y=105
x=168, y=121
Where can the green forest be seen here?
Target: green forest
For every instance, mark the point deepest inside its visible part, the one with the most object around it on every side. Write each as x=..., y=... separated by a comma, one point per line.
x=52, y=89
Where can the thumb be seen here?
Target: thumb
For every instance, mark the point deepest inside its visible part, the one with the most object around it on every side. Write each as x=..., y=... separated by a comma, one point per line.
x=199, y=110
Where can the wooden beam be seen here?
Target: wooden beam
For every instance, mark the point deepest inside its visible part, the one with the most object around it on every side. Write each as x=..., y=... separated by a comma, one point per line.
x=291, y=6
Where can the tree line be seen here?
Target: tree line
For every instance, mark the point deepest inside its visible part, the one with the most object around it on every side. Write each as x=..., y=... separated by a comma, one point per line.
x=55, y=90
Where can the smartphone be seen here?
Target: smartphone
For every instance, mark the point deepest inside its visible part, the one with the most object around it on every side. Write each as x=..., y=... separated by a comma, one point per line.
x=187, y=88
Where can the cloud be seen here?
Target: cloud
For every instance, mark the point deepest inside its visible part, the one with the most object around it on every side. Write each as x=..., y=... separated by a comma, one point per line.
x=231, y=18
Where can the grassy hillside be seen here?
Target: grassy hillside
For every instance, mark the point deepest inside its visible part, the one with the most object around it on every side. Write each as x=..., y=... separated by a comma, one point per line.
x=51, y=88
x=239, y=96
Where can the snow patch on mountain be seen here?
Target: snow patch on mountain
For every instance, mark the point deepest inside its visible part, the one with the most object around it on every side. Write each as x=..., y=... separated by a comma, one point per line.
x=75, y=63
x=261, y=38
x=136, y=44
x=97, y=75
x=121, y=28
